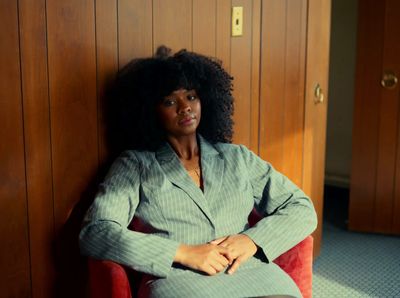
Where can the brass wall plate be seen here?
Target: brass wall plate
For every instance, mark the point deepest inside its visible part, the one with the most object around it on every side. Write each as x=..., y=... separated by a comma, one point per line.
x=237, y=20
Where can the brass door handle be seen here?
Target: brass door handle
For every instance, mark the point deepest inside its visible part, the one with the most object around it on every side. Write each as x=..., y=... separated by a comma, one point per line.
x=318, y=94
x=389, y=80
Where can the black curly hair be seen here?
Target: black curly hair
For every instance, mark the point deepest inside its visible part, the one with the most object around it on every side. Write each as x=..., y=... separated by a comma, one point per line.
x=143, y=83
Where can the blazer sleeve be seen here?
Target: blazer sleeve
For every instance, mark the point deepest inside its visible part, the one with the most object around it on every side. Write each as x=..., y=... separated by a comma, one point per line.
x=105, y=233
x=288, y=214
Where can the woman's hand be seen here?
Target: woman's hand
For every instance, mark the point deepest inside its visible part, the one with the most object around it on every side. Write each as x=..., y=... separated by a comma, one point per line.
x=240, y=248
x=209, y=258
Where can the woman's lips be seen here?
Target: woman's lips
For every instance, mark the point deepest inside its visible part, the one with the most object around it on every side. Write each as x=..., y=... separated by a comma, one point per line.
x=187, y=120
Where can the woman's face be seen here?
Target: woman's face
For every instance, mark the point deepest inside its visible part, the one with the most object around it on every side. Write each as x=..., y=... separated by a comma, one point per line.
x=179, y=113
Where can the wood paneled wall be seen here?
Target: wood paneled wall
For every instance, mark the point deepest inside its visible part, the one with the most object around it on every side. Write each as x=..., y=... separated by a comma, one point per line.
x=58, y=58
x=282, y=85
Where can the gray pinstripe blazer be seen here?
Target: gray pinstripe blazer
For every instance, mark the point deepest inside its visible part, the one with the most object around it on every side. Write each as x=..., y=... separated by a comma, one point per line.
x=155, y=187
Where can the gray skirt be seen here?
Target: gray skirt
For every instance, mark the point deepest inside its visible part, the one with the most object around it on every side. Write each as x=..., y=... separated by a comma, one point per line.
x=253, y=278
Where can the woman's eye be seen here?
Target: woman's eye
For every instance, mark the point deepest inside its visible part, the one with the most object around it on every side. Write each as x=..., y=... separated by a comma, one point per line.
x=168, y=102
x=191, y=97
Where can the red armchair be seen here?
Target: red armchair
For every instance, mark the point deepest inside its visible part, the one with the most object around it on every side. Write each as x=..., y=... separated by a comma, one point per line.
x=108, y=279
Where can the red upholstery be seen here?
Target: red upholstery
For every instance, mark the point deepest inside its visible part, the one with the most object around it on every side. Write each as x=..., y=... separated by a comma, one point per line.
x=108, y=279
x=297, y=262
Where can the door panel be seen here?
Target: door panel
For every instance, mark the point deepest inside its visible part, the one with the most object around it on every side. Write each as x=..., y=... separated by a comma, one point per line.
x=365, y=121
x=374, y=197
x=318, y=32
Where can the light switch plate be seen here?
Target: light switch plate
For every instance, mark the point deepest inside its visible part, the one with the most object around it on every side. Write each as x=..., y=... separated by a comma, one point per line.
x=237, y=21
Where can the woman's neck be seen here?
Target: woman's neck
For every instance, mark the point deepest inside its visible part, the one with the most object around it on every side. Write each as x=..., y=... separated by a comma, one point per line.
x=186, y=147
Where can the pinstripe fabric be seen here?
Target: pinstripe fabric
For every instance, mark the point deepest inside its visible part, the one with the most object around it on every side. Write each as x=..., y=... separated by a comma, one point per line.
x=155, y=188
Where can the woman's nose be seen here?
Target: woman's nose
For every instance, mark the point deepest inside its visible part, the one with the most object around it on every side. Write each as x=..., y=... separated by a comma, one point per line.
x=184, y=108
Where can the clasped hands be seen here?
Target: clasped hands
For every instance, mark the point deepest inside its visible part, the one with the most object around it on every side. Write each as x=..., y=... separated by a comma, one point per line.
x=218, y=254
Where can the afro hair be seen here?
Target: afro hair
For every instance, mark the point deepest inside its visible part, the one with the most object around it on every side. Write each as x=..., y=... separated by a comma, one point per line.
x=143, y=83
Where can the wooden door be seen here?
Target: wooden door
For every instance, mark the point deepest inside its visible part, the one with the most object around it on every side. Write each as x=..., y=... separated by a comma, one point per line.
x=315, y=112
x=375, y=177
x=294, y=59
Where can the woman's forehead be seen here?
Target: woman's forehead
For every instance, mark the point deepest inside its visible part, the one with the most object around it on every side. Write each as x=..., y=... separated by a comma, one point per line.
x=182, y=90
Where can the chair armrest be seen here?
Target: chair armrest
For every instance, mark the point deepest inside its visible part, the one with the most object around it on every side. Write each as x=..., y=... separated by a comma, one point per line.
x=297, y=262
x=108, y=279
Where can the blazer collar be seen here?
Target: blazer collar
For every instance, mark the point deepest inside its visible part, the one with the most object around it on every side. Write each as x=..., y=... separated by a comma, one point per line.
x=212, y=171
x=166, y=153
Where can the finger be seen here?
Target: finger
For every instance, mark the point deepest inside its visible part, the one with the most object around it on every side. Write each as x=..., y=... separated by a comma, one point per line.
x=210, y=270
x=221, y=249
x=218, y=240
x=218, y=267
x=223, y=260
x=230, y=255
x=235, y=265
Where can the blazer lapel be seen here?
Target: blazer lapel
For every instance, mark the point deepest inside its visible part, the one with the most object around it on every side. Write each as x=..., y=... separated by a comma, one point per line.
x=176, y=173
x=212, y=165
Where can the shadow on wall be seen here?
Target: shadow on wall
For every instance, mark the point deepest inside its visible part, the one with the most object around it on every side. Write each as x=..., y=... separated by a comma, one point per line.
x=71, y=268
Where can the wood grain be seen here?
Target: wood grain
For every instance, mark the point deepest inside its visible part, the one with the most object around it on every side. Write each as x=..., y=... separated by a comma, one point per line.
x=272, y=81
x=388, y=124
x=240, y=67
x=293, y=94
x=255, y=76
x=107, y=67
x=15, y=277
x=204, y=27
x=365, y=119
x=318, y=32
x=223, y=35
x=32, y=15
x=172, y=24
x=135, y=29
x=74, y=135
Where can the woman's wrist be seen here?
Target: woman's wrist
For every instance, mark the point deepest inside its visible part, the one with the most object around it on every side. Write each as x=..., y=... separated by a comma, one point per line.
x=180, y=253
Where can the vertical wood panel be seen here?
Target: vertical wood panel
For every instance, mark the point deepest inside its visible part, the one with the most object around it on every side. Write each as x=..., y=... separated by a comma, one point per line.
x=73, y=106
x=33, y=42
x=282, y=85
x=293, y=113
x=107, y=66
x=317, y=66
x=255, y=76
x=135, y=29
x=365, y=120
x=14, y=250
x=223, y=35
x=396, y=204
x=172, y=24
x=241, y=50
x=72, y=69
x=272, y=80
x=389, y=115
x=204, y=30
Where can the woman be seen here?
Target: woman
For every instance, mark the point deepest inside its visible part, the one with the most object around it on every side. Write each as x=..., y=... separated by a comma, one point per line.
x=192, y=190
